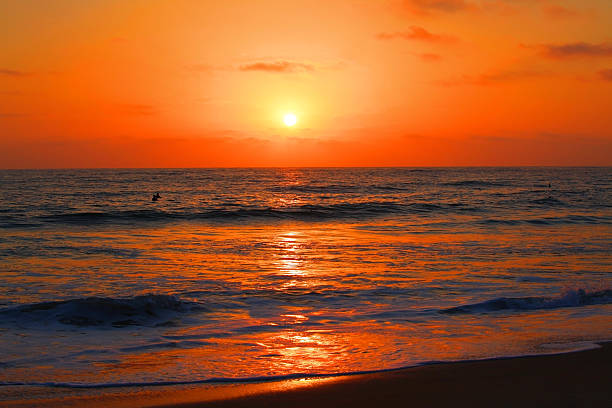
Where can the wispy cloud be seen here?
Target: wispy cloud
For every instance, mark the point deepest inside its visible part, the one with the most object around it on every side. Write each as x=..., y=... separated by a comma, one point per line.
x=137, y=109
x=492, y=78
x=14, y=73
x=429, y=57
x=415, y=33
x=577, y=49
x=606, y=74
x=501, y=7
x=502, y=76
x=271, y=65
x=436, y=6
x=556, y=11
x=280, y=66
x=13, y=115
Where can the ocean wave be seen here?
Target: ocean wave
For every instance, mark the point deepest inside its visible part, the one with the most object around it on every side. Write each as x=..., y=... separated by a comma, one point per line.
x=548, y=201
x=97, y=311
x=317, y=188
x=305, y=212
x=571, y=298
x=565, y=219
x=475, y=183
x=535, y=279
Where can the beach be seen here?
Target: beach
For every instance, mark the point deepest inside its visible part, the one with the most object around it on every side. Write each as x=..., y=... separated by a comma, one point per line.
x=305, y=204
x=574, y=379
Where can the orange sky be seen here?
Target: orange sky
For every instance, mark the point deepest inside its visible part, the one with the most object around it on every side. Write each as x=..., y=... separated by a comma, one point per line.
x=186, y=83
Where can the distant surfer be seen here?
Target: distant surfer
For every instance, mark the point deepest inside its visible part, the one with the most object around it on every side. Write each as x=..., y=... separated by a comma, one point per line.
x=155, y=197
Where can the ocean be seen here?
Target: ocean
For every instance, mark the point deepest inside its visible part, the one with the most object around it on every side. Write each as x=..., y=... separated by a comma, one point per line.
x=247, y=274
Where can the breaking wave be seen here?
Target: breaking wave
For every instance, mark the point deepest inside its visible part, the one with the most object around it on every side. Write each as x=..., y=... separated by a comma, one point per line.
x=305, y=212
x=571, y=298
x=97, y=311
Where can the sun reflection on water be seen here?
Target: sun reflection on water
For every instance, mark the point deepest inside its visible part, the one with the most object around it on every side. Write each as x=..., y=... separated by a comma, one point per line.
x=289, y=256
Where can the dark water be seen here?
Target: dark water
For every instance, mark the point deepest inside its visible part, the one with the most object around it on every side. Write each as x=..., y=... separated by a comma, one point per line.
x=480, y=196
x=244, y=273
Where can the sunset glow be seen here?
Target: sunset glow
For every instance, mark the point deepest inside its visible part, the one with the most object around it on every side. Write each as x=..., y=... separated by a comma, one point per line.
x=397, y=83
x=304, y=203
x=290, y=119
x=279, y=203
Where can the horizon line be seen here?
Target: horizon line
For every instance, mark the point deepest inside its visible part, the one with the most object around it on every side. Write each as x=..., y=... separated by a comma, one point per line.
x=302, y=167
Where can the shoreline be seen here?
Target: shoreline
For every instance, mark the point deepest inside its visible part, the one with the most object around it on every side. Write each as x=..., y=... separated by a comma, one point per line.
x=568, y=378
x=237, y=381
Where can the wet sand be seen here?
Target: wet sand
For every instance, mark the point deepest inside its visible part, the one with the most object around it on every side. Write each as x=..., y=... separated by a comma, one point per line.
x=577, y=379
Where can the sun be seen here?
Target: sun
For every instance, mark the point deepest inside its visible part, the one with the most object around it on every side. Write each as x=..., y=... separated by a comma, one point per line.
x=290, y=119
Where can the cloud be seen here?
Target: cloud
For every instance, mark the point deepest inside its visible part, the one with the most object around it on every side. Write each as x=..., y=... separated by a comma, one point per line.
x=138, y=109
x=502, y=76
x=415, y=33
x=577, y=49
x=436, y=6
x=499, y=7
x=493, y=78
x=606, y=74
x=13, y=115
x=280, y=66
x=14, y=73
x=430, y=57
x=556, y=11
x=271, y=65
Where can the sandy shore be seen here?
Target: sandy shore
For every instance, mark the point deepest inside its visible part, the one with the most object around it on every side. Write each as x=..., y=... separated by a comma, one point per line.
x=578, y=379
